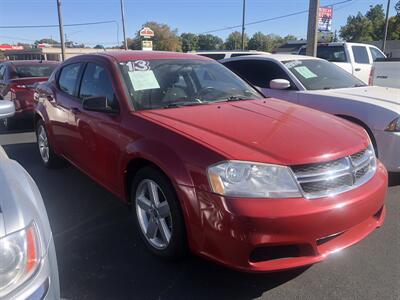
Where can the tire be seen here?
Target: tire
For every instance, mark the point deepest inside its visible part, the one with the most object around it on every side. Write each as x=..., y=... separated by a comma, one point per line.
x=48, y=157
x=160, y=215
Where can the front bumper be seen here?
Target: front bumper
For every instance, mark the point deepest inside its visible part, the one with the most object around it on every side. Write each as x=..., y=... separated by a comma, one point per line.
x=261, y=235
x=388, y=149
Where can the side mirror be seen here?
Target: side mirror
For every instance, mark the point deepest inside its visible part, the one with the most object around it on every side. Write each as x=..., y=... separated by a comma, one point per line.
x=7, y=109
x=99, y=104
x=279, y=84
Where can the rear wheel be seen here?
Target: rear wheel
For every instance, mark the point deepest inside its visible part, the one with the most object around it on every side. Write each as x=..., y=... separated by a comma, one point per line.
x=47, y=155
x=158, y=214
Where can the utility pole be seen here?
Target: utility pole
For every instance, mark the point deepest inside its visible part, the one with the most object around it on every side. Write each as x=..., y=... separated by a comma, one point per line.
x=312, y=28
x=123, y=24
x=60, y=24
x=243, y=21
x=386, y=27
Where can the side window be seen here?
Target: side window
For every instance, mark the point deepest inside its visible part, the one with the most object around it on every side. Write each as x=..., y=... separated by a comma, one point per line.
x=97, y=83
x=375, y=53
x=2, y=72
x=258, y=73
x=68, y=78
x=360, y=54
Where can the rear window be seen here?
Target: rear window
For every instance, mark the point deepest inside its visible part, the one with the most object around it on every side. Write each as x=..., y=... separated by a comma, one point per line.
x=329, y=53
x=216, y=56
x=37, y=70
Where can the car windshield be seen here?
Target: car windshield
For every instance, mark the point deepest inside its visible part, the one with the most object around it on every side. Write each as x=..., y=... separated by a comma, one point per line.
x=166, y=83
x=318, y=74
x=37, y=70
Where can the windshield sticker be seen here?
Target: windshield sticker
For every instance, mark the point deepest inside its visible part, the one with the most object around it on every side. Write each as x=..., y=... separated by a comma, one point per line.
x=143, y=80
x=305, y=72
x=293, y=64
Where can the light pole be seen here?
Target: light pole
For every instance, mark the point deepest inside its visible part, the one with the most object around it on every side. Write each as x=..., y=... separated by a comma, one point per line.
x=386, y=27
x=243, y=21
x=312, y=28
x=123, y=24
x=60, y=24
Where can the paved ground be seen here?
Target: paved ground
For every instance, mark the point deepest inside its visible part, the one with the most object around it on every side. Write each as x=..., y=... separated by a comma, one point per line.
x=101, y=256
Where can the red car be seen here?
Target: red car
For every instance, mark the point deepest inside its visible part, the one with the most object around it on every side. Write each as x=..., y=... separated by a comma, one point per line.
x=17, y=82
x=207, y=163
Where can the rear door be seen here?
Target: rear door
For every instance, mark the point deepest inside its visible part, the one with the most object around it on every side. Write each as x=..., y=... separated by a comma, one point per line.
x=361, y=62
x=259, y=73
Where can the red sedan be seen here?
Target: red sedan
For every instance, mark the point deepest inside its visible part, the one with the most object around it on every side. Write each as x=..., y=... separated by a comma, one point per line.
x=207, y=163
x=17, y=82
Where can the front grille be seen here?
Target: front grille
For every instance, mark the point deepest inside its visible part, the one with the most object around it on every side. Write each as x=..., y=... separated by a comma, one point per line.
x=337, y=176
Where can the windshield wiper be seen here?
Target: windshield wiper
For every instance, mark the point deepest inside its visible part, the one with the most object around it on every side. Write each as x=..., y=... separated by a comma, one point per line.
x=181, y=104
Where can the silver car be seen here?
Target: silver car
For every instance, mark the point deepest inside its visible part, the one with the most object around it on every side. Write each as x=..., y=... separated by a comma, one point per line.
x=28, y=265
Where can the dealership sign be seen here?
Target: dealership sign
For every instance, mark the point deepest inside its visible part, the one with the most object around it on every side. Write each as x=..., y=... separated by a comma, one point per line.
x=325, y=19
x=146, y=32
x=147, y=45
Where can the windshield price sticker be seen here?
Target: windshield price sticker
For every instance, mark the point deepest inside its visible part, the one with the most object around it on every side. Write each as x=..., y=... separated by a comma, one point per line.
x=293, y=64
x=143, y=80
x=305, y=72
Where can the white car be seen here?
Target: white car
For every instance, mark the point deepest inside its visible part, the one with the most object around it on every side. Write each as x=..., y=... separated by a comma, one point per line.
x=319, y=84
x=355, y=58
x=221, y=54
x=386, y=72
x=28, y=265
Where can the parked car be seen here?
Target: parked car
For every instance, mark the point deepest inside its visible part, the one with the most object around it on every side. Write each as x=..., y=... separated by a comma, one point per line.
x=354, y=58
x=206, y=162
x=290, y=47
x=319, y=84
x=217, y=55
x=17, y=82
x=28, y=264
x=386, y=72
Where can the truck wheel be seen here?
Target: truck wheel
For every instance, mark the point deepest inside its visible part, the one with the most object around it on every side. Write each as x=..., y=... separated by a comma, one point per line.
x=47, y=155
x=158, y=214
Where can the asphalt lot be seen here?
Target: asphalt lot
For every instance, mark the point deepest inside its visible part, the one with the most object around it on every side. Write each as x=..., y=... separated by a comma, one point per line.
x=100, y=255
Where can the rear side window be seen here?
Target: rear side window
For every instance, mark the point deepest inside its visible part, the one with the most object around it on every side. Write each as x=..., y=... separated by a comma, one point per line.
x=216, y=56
x=2, y=71
x=68, y=78
x=360, y=54
x=37, y=70
x=258, y=73
x=97, y=83
x=376, y=54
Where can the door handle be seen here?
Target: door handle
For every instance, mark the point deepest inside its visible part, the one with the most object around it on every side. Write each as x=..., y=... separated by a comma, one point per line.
x=75, y=110
x=357, y=69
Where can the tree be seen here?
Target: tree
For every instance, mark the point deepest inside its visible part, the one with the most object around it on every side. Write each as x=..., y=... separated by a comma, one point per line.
x=397, y=8
x=190, y=42
x=357, y=29
x=98, y=47
x=209, y=42
x=394, y=28
x=259, y=42
x=46, y=41
x=234, y=41
x=376, y=15
x=165, y=39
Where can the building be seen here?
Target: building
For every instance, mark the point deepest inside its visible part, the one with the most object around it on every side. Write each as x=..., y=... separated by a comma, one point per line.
x=46, y=53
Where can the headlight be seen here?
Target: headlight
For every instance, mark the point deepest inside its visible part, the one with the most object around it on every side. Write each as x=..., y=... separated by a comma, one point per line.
x=394, y=126
x=19, y=258
x=252, y=180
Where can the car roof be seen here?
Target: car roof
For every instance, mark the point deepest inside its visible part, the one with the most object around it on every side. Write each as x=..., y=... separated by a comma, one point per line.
x=125, y=55
x=279, y=57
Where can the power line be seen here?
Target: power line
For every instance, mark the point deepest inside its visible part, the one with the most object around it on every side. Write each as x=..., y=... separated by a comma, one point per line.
x=51, y=26
x=272, y=19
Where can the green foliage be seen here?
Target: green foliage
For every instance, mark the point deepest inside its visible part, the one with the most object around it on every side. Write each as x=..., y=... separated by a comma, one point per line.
x=165, y=39
x=209, y=42
x=394, y=28
x=234, y=41
x=268, y=42
x=190, y=42
x=46, y=41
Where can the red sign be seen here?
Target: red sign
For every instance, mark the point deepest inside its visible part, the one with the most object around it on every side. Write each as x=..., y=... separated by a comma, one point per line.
x=146, y=32
x=325, y=18
x=10, y=47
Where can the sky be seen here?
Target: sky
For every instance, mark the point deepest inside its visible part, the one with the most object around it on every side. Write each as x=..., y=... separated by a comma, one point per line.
x=195, y=16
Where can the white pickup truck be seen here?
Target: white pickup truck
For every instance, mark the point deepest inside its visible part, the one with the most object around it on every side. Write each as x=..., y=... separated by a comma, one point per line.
x=355, y=58
x=386, y=72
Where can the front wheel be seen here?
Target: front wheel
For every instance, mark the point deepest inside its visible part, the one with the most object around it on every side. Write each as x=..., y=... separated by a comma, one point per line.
x=47, y=155
x=158, y=214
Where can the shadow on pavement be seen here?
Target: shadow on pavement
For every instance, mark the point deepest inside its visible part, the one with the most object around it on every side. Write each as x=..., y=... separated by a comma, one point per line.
x=101, y=256
x=394, y=179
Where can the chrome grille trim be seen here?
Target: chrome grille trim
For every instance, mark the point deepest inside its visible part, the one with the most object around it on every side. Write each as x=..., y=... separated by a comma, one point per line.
x=337, y=176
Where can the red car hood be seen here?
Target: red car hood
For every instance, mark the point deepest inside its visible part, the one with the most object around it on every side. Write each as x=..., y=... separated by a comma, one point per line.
x=269, y=130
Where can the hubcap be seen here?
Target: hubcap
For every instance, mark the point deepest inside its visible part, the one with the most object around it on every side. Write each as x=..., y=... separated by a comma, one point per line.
x=153, y=213
x=43, y=144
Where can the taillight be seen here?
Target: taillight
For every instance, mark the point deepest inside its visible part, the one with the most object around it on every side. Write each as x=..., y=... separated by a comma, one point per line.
x=371, y=76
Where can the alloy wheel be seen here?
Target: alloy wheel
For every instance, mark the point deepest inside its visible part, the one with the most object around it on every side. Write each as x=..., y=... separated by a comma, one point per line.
x=43, y=143
x=154, y=214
